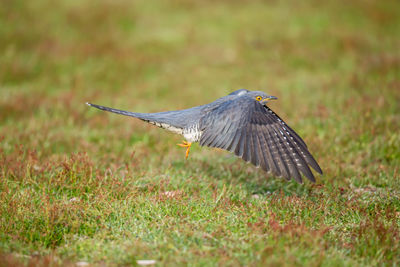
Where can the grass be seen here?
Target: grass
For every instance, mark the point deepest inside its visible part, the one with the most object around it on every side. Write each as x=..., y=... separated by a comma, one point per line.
x=79, y=185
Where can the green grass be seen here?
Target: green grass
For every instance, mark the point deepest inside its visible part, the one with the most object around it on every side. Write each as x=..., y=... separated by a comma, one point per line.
x=78, y=184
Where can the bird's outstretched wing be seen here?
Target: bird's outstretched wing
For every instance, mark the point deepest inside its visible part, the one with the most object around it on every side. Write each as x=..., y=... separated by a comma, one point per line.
x=256, y=134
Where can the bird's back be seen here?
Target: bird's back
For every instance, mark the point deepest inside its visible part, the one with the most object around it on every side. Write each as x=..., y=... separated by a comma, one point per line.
x=178, y=121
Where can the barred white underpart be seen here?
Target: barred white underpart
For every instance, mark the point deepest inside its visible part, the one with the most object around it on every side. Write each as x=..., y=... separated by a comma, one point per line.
x=192, y=134
x=167, y=127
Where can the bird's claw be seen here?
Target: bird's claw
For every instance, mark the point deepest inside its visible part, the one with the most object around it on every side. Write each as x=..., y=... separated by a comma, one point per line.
x=187, y=145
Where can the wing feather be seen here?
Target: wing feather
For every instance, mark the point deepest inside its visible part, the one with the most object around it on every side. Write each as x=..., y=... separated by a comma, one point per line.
x=235, y=141
x=260, y=145
x=224, y=138
x=293, y=155
x=288, y=159
x=255, y=152
x=296, y=140
x=240, y=147
x=271, y=150
x=290, y=130
x=257, y=135
x=278, y=153
x=302, y=153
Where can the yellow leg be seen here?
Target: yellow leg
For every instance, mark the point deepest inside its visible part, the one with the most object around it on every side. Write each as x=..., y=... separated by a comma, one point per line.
x=187, y=145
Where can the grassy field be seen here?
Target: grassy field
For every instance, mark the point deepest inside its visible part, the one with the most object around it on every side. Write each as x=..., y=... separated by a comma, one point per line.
x=81, y=185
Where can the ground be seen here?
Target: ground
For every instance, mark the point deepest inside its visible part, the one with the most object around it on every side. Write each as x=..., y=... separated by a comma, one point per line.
x=79, y=185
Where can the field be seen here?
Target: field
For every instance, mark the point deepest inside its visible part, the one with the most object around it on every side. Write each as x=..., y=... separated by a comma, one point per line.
x=81, y=186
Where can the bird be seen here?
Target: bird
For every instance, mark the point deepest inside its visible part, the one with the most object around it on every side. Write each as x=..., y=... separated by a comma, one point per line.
x=242, y=123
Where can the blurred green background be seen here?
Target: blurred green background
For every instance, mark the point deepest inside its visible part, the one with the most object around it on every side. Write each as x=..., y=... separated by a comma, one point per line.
x=334, y=65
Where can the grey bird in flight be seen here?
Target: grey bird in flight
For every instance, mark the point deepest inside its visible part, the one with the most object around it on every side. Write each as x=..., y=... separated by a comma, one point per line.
x=242, y=123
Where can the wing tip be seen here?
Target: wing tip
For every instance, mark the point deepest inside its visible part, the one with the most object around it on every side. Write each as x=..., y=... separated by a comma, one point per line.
x=318, y=169
x=311, y=178
x=297, y=178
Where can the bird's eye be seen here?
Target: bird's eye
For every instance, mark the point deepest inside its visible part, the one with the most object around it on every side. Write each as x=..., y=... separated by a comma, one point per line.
x=258, y=98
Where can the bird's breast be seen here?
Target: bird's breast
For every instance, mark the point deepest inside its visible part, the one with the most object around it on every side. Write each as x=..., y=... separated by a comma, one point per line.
x=192, y=133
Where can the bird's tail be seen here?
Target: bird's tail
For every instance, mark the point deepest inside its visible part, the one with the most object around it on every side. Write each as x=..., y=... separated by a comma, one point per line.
x=167, y=120
x=118, y=111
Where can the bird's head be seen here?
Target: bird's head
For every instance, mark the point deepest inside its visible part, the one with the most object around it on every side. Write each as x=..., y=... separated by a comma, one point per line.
x=261, y=97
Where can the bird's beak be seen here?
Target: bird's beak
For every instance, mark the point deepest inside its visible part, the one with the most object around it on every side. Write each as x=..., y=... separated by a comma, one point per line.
x=268, y=98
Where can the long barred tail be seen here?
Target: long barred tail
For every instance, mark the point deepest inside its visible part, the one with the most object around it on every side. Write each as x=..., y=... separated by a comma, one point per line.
x=157, y=119
x=118, y=111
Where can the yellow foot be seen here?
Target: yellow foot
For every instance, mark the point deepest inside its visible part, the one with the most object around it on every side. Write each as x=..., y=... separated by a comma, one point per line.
x=187, y=145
